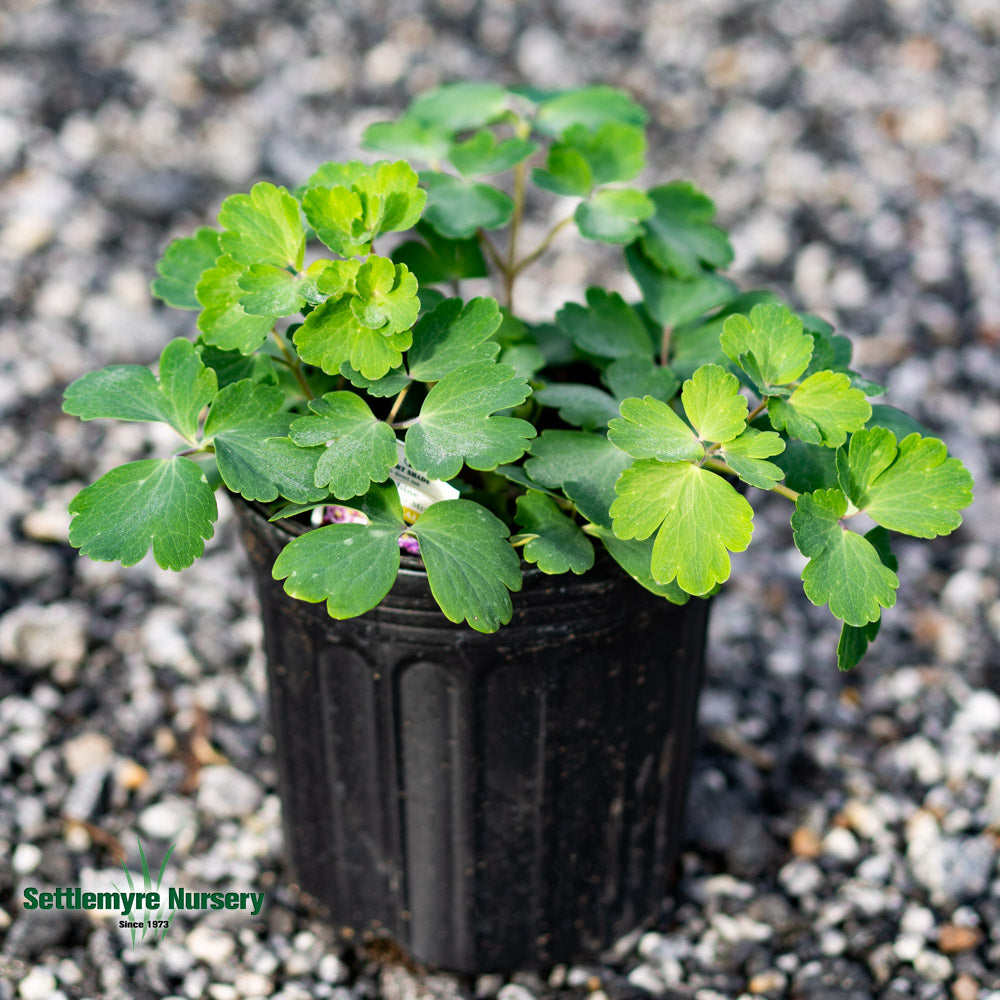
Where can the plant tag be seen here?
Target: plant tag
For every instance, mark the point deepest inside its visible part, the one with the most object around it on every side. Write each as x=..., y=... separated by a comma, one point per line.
x=416, y=491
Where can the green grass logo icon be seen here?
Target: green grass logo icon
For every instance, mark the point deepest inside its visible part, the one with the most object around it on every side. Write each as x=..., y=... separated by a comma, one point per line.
x=155, y=926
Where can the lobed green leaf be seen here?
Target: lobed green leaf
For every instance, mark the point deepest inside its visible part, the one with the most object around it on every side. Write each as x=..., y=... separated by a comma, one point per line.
x=681, y=238
x=262, y=227
x=181, y=267
x=560, y=545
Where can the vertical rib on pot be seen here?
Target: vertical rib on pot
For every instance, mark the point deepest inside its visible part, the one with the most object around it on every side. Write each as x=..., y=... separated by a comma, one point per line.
x=494, y=801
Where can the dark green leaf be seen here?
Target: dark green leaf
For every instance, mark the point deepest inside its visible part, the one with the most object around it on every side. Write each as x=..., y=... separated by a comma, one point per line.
x=808, y=467
x=613, y=151
x=854, y=639
x=470, y=564
x=588, y=106
x=457, y=209
x=452, y=335
x=131, y=392
x=182, y=265
x=231, y=366
x=560, y=545
x=481, y=154
x=165, y=504
x=636, y=375
x=607, y=326
x=566, y=173
x=583, y=406
x=634, y=555
x=439, y=259
x=680, y=237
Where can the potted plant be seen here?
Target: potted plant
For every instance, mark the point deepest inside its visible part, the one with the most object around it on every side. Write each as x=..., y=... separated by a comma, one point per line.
x=485, y=545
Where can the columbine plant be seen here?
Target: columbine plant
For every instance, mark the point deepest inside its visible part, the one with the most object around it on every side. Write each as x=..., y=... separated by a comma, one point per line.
x=325, y=373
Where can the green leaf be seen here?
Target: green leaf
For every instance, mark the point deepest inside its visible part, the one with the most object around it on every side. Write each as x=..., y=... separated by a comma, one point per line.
x=391, y=197
x=337, y=216
x=561, y=547
x=481, y=154
x=182, y=265
x=255, y=457
x=274, y=291
x=607, y=326
x=584, y=406
x=588, y=106
x=898, y=421
x=526, y=359
x=745, y=455
x=358, y=448
x=712, y=402
x=262, y=227
x=672, y=301
x=131, y=392
x=854, y=639
x=457, y=209
x=614, y=151
x=386, y=296
x=337, y=174
x=332, y=335
x=649, y=428
x=636, y=375
x=439, y=259
x=231, y=366
x=451, y=335
x=697, y=343
x=824, y=409
x=699, y=519
x=914, y=488
x=390, y=384
x=455, y=423
x=470, y=564
x=808, y=467
x=409, y=138
x=223, y=322
x=350, y=566
x=844, y=569
x=772, y=336
x=455, y=107
x=680, y=236
x=163, y=503
x=613, y=216
x=634, y=556
x=566, y=173
x=583, y=464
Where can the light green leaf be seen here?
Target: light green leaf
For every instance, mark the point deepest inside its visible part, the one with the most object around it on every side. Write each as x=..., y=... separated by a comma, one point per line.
x=585, y=465
x=613, y=216
x=263, y=227
x=699, y=519
x=745, y=456
x=649, y=428
x=331, y=335
x=672, y=301
x=255, y=458
x=451, y=335
x=223, y=322
x=636, y=375
x=582, y=405
x=588, y=106
x=386, y=296
x=566, y=173
x=561, y=547
x=470, y=564
x=607, y=326
x=697, y=342
x=455, y=107
x=163, y=503
x=337, y=216
x=457, y=209
x=131, y=392
x=844, y=569
x=358, y=448
x=390, y=384
x=634, y=555
x=182, y=265
x=275, y=291
x=916, y=489
x=614, y=151
x=439, y=259
x=855, y=639
x=455, y=423
x=409, y=138
x=350, y=566
x=824, y=409
x=481, y=154
x=337, y=174
x=772, y=336
x=680, y=236
x=391, y=196
x=712, y=402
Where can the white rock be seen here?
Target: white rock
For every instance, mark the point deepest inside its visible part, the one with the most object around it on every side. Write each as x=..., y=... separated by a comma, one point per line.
x=228, y=793
x=86, y=751
x=645, y=976
x=167, y=818
x=933, y=965
x=38, y=984
x=253, y=984
x=331, y=969
x=210, y=945
x=980, y=713
x=841, y=844
x=42, y=636
x=25, y=859
x=917, y=920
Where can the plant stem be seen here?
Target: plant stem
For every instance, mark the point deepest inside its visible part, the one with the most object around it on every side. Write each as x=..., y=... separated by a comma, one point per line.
x=520, y=173
x=757, y=410
x=716, y=466
x=403, y=424
x=294, y=364
x=491, y=251
x=784, y=491
x=668, y=332
x=525, y=262
x=397, y=403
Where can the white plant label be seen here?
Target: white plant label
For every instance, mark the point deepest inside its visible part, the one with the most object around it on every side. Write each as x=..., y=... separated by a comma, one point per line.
x=416, y=491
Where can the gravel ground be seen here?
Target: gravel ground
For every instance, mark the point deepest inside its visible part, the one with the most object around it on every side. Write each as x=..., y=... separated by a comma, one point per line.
x=843, y=833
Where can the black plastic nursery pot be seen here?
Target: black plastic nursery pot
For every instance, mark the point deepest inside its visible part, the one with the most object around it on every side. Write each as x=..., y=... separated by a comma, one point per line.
x=490, y=802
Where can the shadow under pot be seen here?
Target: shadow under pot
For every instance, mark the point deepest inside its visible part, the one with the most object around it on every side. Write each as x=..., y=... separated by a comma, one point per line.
x=490, y=802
